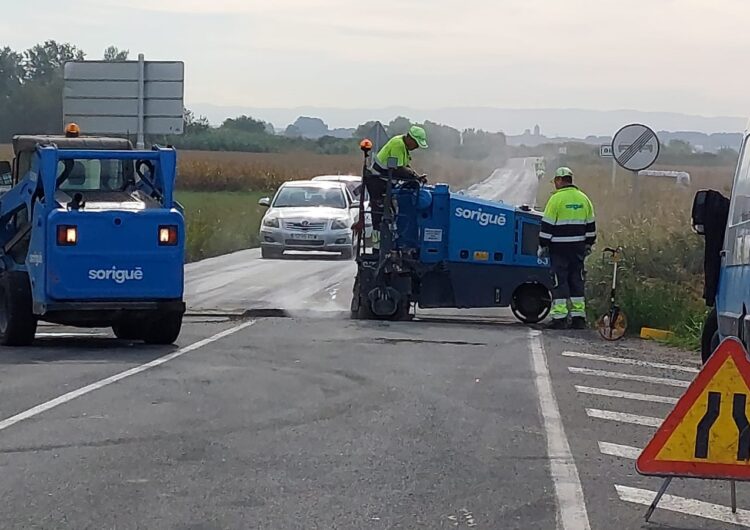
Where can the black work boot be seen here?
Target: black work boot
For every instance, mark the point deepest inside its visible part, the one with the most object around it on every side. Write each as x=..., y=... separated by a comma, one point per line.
x=558, y=323
x=578, y=323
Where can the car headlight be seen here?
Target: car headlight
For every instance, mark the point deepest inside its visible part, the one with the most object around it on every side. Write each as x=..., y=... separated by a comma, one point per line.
x=340, y=224
x=271, y=222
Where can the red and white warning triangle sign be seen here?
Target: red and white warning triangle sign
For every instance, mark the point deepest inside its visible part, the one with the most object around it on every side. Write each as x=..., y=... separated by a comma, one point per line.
x=707, y=434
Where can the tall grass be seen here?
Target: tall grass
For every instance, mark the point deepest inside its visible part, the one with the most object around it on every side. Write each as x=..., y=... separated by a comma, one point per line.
x=224, y=171
x=220, y=222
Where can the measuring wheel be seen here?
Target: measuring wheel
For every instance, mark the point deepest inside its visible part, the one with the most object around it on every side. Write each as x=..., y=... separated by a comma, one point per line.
x=613, y=325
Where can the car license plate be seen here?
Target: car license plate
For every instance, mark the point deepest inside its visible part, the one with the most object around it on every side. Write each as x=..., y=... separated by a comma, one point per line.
x=304, y=236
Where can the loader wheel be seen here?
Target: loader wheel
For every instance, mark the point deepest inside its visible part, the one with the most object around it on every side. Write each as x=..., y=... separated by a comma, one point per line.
x=531, y=303
x=128, y=329
x=164, y=329
x=17, y=320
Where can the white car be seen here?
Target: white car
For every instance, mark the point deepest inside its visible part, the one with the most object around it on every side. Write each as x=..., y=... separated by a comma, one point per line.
x=354, y=184
x=309, y=215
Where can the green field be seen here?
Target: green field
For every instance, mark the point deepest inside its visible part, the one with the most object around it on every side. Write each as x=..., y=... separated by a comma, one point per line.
x=220, y=222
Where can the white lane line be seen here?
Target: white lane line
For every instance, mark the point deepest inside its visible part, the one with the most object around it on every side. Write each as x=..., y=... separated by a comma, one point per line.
x=624, y=417
x=69, y=335
x=707, y=510
x=70, y=396
x=630, y=377
x=620, y=451
x=651, y=398
x=632, y=362
x=570, y=501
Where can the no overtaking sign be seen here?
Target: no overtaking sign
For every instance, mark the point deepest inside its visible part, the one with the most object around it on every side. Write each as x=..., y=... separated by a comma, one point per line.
x=635, y=147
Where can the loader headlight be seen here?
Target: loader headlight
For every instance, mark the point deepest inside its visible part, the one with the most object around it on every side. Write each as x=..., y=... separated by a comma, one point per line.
x=340, y=224
x=271, y=222
x=67, y=235
x=168, y=235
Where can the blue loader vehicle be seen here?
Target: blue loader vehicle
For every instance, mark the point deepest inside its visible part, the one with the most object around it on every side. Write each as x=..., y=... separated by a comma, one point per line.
x=91, y=236
x=447, y=250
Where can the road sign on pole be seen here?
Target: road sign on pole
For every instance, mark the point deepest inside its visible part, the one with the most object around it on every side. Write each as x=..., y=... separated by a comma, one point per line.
x=707, y=434
x=128, y=97
x=635, y=147
x=605, y=151
x=378, y=136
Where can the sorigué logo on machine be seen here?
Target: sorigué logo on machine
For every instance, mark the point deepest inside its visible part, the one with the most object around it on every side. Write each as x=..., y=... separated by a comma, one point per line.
x=483, y=218
x=116, y=275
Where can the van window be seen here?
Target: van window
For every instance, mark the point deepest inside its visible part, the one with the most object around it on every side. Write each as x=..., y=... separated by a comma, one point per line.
x=741, y=191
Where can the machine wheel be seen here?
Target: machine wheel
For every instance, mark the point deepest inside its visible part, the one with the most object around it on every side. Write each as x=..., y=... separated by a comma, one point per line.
x=403, y=313
x=710, y=336
x=531, y=303
x=269, y=253
x=360, y=308
x=164, y=329
x=17, y=320
x=128, y=329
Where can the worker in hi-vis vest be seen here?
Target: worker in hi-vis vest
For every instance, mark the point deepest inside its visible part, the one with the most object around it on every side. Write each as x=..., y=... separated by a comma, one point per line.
x=567, y=234
x=398, y=148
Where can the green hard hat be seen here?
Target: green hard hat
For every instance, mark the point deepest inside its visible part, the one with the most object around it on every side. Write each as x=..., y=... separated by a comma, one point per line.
x=419, y=135
x=564, y=172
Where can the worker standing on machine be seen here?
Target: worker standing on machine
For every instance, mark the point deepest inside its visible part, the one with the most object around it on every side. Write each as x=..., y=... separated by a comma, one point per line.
x=399, y=148
x=567, y=234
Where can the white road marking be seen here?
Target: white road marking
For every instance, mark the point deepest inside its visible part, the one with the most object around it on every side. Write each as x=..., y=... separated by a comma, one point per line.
x=624, y=417
x=630, y=377
x=620, y=451
x=632, y=362
x=68, y=335
x=70, y=396
x=672, y=503
x=570, y=501
x=651, y=398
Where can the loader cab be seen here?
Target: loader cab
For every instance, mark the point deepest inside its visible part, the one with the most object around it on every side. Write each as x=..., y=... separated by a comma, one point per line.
x=24, y=147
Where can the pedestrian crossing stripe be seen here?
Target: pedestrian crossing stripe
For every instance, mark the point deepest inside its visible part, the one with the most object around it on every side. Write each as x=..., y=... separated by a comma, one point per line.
x=707, y=434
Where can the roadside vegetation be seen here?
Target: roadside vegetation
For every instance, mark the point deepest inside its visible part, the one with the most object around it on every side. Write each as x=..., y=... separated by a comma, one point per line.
x=220, y=222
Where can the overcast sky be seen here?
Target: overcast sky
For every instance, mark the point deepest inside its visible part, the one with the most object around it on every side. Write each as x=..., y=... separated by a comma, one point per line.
x=655, y=55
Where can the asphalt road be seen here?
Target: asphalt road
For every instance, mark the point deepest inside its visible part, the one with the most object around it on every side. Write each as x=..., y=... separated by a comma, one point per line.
x=516, y=183
x=314, y=421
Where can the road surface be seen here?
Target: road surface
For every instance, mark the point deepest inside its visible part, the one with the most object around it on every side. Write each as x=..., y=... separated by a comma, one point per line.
x=516, y=183
x=315, y=421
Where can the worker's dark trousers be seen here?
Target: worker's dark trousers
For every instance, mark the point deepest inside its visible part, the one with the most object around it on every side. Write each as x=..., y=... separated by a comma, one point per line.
x=568, y=280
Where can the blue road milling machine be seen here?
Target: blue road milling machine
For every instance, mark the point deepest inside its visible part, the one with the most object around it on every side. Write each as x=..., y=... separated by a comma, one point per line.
x=447, y=250
x=91, y=237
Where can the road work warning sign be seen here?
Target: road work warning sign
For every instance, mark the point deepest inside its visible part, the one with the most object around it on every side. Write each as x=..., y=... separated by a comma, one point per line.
x=707, y=434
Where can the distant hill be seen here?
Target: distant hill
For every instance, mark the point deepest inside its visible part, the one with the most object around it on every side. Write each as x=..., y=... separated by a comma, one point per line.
x=567, y=123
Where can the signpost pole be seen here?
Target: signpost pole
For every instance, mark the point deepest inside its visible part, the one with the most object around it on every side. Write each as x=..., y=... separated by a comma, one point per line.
x=734, y=496
x=636, y=186
x=614, y=172
x=658, y=497
x=140, y=141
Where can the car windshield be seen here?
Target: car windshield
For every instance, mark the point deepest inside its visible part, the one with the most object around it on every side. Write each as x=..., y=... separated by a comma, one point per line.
x=301, y=196
x=96, y=175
